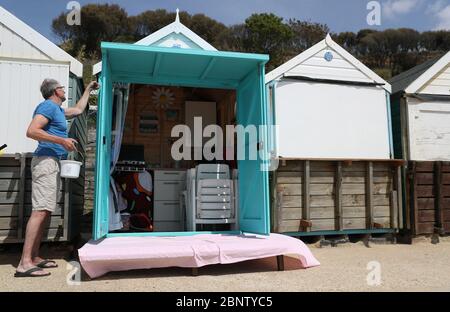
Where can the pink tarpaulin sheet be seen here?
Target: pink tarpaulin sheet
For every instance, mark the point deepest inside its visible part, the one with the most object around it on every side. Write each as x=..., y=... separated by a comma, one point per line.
x=128, y=253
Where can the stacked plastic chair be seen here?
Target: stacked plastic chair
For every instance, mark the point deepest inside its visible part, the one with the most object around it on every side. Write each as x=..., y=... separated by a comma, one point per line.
x=211, y=196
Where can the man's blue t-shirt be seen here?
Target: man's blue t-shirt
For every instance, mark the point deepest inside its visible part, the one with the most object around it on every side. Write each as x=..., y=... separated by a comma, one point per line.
x=57, y=125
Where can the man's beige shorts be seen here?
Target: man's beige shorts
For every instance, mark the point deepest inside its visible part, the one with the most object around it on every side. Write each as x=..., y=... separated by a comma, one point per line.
x=46, y=183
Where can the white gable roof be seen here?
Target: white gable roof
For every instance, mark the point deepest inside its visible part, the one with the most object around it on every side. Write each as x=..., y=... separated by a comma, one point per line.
x=172, y=35
x=342, y=66
x=38, y=41
x=438, y=68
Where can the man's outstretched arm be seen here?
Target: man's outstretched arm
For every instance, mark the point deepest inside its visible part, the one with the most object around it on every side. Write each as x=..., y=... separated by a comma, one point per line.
x=79, y=108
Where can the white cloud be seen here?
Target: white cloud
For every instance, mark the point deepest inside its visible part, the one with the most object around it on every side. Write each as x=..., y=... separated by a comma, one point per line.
x=443, y=19
x=436, y=6
x=440, y=11
x=392, y=8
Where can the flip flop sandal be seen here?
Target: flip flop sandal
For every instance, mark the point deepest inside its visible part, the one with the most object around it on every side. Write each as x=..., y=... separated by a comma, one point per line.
x=29, y=273
x=43, y=265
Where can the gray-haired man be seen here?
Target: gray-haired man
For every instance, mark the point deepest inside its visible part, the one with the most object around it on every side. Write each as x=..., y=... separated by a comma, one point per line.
x=49, y=127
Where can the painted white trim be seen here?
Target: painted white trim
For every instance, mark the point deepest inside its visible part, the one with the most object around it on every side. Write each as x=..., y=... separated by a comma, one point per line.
x=97, y=68
x=280, y=70
x=39, y=41
x=37, y=61
x=327, y=42
x=429, y=74
x=176, y=27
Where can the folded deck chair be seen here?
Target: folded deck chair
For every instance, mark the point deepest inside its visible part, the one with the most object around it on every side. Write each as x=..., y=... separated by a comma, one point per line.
x=211, y=196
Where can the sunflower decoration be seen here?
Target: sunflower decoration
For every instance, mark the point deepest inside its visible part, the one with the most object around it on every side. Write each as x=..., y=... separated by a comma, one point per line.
x=163, y=97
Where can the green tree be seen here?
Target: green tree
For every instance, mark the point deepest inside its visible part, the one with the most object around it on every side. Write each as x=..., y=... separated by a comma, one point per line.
x=98, y=23
x=348, y=40
x=435, y=41
x=232, y=39
x=206, y=27
x=266, y=33
x=387, y=52
x=150, y=21
x=305, y=35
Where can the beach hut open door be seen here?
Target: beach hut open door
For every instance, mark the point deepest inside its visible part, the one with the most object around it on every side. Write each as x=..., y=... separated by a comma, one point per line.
x=253, y=173
x=242, y=72
x=103, y=154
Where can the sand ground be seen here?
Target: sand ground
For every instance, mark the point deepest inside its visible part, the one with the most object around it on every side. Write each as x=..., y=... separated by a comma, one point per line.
x=421, y=266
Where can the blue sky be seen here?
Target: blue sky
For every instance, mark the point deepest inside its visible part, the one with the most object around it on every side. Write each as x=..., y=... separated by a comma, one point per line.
x=339, y=15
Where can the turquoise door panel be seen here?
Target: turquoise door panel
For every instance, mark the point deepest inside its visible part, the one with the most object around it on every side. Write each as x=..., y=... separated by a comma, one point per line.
x=103, y=151
x=253, y=175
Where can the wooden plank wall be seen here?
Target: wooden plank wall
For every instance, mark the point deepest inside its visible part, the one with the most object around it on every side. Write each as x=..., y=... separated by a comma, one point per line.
x=444, y=199
x=428, y=196
x=288, y=198
x=15, y=202
x=157, y=146
x=322, y=195
x=315, y=195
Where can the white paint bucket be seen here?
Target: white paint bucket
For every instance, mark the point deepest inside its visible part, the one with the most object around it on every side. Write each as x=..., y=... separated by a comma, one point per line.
x=70, y=169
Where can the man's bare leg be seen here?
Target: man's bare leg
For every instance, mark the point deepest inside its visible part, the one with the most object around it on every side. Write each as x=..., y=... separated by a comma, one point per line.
x=34, y=225
x=37, y=243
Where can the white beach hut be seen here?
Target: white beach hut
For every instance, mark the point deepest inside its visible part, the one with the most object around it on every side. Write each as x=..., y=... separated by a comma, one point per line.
x=26, y=59
x=334, y=148
x=421, y=130
x=328, y=104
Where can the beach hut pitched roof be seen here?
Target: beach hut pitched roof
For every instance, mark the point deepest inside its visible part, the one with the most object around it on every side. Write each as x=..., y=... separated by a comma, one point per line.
x=173, y=35
x=403, y=80
x=342, y=65
x=415, y=79
x=38, y=41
